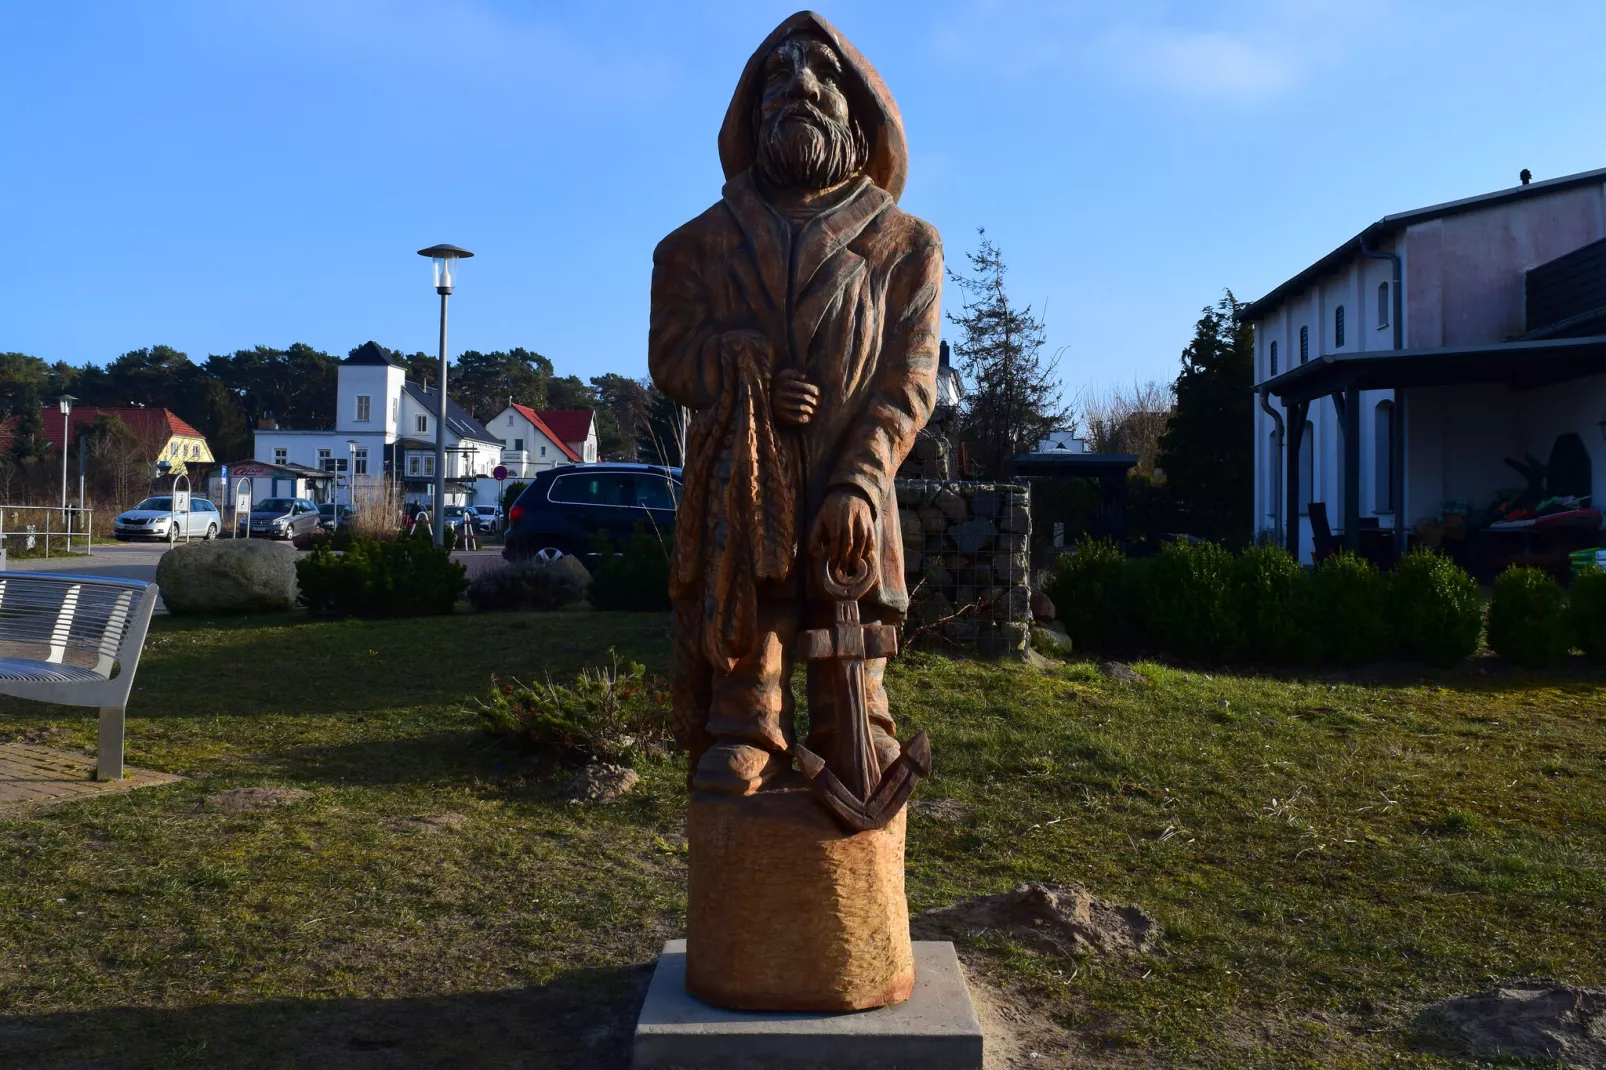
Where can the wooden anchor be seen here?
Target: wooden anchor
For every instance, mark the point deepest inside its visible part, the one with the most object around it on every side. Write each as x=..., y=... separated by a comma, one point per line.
x=850, y=784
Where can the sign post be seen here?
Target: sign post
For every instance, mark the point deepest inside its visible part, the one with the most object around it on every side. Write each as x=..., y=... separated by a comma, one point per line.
x=499, y=473
x=242, y=506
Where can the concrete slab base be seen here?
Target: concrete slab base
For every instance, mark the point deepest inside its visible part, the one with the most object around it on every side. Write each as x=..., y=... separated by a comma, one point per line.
x=936, y=1029
x=32, y=774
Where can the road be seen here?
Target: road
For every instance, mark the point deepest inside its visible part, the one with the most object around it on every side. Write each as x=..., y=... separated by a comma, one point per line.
x=137, y=561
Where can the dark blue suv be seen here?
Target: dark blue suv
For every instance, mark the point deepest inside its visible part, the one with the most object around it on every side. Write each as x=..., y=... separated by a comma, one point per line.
x=565, y=507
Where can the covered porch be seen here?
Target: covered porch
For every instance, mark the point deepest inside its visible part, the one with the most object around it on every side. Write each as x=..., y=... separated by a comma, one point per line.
x=1453, y=417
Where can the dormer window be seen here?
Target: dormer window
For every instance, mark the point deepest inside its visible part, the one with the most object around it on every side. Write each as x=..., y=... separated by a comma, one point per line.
x=1338, y=327
x=423, y=424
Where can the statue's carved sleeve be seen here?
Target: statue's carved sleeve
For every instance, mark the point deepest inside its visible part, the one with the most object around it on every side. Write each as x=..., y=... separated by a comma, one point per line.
x=683, y=352
x=906, y=377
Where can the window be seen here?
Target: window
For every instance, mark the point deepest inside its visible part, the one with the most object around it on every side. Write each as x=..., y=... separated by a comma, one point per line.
x=654, y=492
x=423, y=424
x=1383, y=457
x=1274, y=506
x=1307, y=466
x=543, y=451
x=364, y=405
x=518, y=444
x=1274, y=358
x=281, y=455
x=1304, y=344
x=362, y=463
x=326, y=461
x=1338, y=327
x=510, y=419
x=394, y=402
x=414, y=464
x=429, y=464
x=609, y=488
x=1382, y=304
x=341, y=464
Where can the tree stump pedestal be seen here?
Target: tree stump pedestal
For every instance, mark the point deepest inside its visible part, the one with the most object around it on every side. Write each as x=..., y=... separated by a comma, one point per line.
x=788, y=912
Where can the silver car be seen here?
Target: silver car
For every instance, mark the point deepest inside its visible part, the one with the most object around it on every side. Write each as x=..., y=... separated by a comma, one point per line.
x=154, y=518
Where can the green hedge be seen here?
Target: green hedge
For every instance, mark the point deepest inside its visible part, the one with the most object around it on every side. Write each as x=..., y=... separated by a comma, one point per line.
x=405, y=578
x=1586, y=609
x=1345, y=609
x=638, y=578
x=1092, y=591
x=1438, y=615
x=1266, y=589
x=1185, y=604
x=1528, y=623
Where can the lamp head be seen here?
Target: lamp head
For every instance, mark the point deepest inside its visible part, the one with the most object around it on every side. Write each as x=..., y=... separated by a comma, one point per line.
x=445, y=258
x=65, y=403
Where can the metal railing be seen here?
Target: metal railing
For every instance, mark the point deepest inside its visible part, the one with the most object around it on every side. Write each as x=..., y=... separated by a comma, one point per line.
x=33, y=527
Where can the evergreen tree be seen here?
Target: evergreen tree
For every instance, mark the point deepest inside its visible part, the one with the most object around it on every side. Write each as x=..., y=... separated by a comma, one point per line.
x=1014, y=398
x=483, y=383
x=1207, y=451
x=627, y=401
x=661, y=435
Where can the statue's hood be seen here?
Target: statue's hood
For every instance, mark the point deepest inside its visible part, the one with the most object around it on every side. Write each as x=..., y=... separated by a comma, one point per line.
x=868, y=98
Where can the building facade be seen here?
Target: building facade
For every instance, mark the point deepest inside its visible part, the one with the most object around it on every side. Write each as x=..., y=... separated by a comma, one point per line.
x=1396, y=374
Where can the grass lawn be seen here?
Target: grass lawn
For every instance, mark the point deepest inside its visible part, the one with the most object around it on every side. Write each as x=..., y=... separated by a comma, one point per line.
x=1325, y=856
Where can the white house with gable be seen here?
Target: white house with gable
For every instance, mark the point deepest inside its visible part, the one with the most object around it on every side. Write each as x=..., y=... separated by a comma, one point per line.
x=1397, y=374
x=385, y=426
x=529, y=445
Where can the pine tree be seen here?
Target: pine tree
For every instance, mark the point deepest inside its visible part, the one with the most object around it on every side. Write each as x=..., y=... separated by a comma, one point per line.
x=1013, y=398
x=1207, y=452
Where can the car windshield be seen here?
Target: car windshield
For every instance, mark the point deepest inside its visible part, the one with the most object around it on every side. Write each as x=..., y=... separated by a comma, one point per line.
x=156, y=503
x=488, y=509
x=455, y=510
x=273, y=505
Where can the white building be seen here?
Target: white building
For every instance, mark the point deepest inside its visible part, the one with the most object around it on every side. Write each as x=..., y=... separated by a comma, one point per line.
x=1398, y=372
x=385, y=426
x=576, y=429
x=529, y=445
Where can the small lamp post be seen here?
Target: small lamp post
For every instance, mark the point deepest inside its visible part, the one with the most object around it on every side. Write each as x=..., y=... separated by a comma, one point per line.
x=65, y=404
x=445, y=258
x=351, y=479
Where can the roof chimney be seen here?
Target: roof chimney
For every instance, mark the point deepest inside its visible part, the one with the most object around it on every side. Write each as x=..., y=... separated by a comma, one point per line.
x=266, y=422
x=1526, y=175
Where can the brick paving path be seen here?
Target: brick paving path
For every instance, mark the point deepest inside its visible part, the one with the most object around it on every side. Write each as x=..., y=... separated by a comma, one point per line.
x=31, y=774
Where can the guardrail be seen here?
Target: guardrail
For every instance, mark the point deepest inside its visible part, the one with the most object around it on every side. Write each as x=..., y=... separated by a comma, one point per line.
x=32, y=527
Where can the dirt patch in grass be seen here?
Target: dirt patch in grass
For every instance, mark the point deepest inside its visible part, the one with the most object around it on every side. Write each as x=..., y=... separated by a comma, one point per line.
x=600, y=782
x=242, y=800
x=1531, y=1019
x=432, y=823
x=1059, y=919
x=948, y=810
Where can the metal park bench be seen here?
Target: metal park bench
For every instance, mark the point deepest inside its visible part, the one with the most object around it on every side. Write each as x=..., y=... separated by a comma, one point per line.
x=76, y=641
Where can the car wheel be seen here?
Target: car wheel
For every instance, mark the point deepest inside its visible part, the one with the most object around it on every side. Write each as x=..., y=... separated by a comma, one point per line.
x=548, y=554
x=211, y=532
x=172, y=532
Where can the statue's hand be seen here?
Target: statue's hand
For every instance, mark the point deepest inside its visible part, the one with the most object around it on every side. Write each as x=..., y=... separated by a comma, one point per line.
x=845, y=530
x=793, y=398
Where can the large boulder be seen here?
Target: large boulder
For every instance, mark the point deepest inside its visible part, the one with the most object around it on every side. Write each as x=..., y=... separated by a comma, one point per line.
x=244, y=576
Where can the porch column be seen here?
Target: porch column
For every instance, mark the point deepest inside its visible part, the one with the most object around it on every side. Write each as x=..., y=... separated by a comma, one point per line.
x=1397, y=472
x=1291, y=438
x=1352, y=468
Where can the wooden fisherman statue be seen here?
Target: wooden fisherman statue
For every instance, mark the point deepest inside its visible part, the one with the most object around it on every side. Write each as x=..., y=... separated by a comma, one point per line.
x=798, y=319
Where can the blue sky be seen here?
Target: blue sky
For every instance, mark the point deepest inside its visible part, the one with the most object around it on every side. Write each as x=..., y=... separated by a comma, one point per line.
x=219, y=175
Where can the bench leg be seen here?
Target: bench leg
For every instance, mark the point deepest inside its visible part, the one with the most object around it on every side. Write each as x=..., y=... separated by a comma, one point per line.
x=109, y=753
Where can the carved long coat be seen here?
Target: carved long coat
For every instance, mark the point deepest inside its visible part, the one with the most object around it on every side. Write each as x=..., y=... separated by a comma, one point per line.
x=854, y=304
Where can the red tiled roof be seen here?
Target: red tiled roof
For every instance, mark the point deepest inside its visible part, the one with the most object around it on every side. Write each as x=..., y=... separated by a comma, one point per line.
x=145, y=423
x=546, y=429
x=573, y=424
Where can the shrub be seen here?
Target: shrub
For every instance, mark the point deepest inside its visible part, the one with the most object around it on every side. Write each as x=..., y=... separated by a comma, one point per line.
x=1436, y=609
x=527, y=585
x=637, y=579
x=1528, y=618
x=1345, y=609
x=1184, y=600
x=1586, y=609
x=1265, y=588
x=1091, y=591
x=614, y=714
x=405, y=578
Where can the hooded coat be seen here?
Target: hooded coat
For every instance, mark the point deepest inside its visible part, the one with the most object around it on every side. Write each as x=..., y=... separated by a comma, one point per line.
x=852, y=300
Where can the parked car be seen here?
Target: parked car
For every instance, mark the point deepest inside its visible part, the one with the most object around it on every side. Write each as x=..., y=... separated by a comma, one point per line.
x=326, y=515
x=153, y=518
x=488, y=518
x=565, y=507
x=455, y=515
x=283, y=518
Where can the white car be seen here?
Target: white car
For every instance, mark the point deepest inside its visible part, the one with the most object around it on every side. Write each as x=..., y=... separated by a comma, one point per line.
x=154, y=518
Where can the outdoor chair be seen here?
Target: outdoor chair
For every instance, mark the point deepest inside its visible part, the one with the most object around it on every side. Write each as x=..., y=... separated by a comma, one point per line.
x=75, y=641
x=1323, y=542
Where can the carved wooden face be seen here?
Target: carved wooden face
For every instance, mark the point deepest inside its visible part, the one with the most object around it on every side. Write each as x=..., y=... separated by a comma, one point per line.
x=807, y=137
x=803, y=71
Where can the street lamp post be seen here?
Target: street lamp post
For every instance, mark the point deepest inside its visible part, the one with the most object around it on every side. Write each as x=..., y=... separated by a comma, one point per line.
x=65, y=404
x=351, y=480
x=445, y=259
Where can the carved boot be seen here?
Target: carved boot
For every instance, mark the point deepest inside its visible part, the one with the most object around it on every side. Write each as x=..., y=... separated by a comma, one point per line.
x=732, y=767
x=886, y=748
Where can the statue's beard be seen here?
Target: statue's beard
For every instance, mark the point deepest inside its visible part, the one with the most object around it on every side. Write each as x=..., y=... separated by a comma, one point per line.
x=804, y=148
